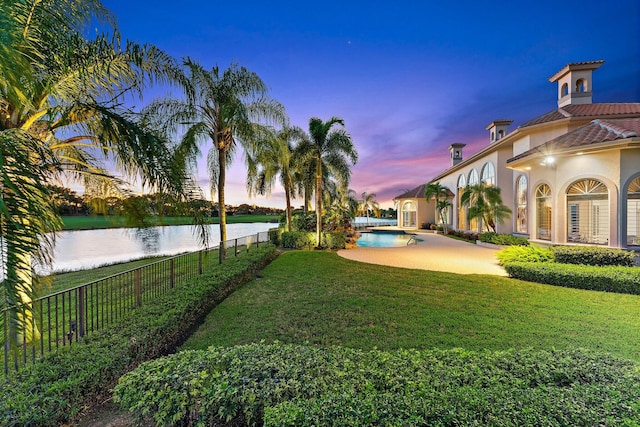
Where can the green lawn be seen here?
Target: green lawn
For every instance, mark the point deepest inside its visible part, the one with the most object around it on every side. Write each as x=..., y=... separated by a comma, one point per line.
x=98, y=221
x=320, y=298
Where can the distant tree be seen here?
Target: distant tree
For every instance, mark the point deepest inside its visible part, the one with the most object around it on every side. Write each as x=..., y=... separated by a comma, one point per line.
x=275, y=156
x=485, y=203
x=368, y=203
x=331, y=148
x=441, y=195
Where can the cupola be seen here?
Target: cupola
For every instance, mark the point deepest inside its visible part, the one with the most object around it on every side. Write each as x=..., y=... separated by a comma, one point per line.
x=498, y=129
x=575, y=83
x=456, y=152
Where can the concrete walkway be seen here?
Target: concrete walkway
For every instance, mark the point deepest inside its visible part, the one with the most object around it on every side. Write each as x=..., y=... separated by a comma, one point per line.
x=435, y=252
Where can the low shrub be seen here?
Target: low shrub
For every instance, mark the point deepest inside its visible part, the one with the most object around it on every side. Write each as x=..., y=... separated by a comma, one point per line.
x=54, y=389
x=624, y=280
x=291, y=385
x=525, y=254
x=593, y=255
x=503, y=239
x=307, y=240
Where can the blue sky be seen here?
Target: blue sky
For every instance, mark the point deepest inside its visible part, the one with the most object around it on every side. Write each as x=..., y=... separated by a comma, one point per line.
x=409, y=77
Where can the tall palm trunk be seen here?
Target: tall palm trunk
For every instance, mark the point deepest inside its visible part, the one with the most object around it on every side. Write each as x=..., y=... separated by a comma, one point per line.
x=221, y=205
x=287, y=192
x=319, y=201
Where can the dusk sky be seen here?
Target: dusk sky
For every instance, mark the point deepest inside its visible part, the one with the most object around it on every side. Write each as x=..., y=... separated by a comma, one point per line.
x=409, y=77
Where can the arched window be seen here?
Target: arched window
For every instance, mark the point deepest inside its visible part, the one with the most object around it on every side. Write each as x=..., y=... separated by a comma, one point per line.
x=493, y=136
x=580, y=86
x=473, y=177
x=521, y=204
x=488, y=174
x=500, y=134
x=565, y=90
x=409, y=214
x=588, y=212
x=543, y=209
x=462, y=210
x=633, y=213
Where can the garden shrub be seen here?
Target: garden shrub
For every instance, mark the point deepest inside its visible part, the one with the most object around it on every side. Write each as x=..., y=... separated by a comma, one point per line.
x=593, y=255
x=54, y=389
x=525, y=254
x=307, y=240
x=503, y=239
x=624, y=280
x=292, y=385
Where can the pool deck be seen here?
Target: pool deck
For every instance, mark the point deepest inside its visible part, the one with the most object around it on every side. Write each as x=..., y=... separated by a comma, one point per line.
x=435, y=252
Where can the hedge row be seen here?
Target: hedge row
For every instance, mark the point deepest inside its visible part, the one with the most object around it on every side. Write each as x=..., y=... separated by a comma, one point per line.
x=54, y=389
x=503, y=239
x=307, y=240
x=290, y=385
x=593, y=255
x=609, y=278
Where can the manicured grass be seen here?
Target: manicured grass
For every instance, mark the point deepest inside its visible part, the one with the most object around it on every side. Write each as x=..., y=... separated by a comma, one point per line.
x=98, y=221
x=320, y=298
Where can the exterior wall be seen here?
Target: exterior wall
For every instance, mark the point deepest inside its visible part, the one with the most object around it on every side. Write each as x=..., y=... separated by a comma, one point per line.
x=424, y=212
x=604, y=166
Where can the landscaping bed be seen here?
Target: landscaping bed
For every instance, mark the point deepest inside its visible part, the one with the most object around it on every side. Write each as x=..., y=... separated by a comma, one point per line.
x=57, y=388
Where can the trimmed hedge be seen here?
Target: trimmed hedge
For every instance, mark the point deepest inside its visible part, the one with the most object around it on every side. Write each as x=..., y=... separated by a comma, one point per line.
x=503, y=239
x=307, y=240
x=56, y=388
x=624, y=280
x=524, y=254
x=593, y=255
x=291, y=385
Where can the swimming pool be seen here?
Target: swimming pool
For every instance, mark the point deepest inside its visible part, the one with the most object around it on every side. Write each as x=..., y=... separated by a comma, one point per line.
x=385, y=239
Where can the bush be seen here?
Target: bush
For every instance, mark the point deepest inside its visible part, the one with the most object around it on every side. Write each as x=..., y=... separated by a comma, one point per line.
x=54, y=389
x=503, y=239
x=593, y=255
x=525, y=254
x=290, y=385
x=624, y=280
x=307, y=240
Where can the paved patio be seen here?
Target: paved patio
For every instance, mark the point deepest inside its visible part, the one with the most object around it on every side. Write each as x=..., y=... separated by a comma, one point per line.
x=435, y=252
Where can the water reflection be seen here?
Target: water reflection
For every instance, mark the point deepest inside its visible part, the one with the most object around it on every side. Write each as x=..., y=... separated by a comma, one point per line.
x=90, y=248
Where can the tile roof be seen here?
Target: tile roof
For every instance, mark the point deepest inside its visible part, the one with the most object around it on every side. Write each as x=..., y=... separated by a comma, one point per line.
x=600, y=110
x=416, y=193
x=596, y=132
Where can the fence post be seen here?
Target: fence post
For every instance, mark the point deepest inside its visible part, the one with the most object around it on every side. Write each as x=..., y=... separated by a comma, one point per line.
x=257, y=240
x=138, y=289
x=220, y=255
x=200, y=262
x=235, y=249
x=172, y=277
x=81, y=316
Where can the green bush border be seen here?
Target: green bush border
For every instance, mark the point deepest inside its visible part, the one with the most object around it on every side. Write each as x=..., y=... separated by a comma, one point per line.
x=609, y=278
x=55, y=389
x=307, y=240
x=292, y=385
x=593, y=255
x=503, y=239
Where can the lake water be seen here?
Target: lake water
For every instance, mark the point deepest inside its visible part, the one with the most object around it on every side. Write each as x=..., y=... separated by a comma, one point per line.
x=82, y=249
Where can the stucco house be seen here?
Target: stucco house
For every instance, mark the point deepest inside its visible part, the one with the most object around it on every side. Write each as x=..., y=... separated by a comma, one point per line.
x=571, y=175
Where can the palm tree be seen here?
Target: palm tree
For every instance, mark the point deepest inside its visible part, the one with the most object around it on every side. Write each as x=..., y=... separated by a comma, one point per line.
x=221, y=109
x=485, y=204
x=275, y=156
x=332, y=152
x=441, y=194
x=368, y=202
x=61, y=113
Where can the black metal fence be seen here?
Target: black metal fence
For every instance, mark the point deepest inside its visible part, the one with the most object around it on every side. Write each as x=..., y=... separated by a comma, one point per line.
x=65, y=317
